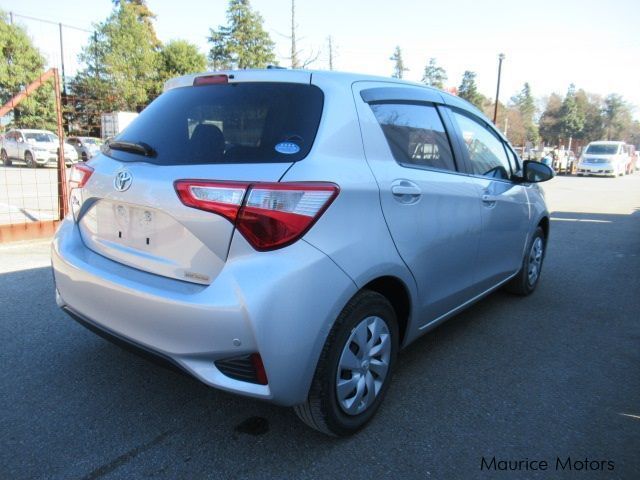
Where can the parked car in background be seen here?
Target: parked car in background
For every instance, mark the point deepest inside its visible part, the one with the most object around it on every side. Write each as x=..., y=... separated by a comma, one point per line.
x=86, y=147
x=604, y=158
x=281, y=234
x=563, y=161
x=36, y=147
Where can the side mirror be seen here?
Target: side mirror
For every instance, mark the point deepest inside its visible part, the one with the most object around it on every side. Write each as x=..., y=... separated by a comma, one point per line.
x=535, y=172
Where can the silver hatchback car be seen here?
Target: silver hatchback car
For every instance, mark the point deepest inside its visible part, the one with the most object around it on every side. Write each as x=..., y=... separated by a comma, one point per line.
x=282, y=234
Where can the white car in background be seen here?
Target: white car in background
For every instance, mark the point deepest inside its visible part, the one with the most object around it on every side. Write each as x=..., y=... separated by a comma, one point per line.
x=604, y=158
x=36, y=147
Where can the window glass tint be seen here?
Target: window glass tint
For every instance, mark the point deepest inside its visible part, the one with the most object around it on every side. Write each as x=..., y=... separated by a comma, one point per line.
x=486, y=152
x=415, y=135
x=513, y=159
x=230, y=123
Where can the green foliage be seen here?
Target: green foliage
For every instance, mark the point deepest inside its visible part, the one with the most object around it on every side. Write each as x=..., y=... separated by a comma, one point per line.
x=616, y=116
x=525, y=106
x=571, y=117
x=434, y=75
x=398, y=66
x=179, y=57
x=469, y=90
x=591, y=107
x=550, y=125
x=243, y=42
x=20, y=64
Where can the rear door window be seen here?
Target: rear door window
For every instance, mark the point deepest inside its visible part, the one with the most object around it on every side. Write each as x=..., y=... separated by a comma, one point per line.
x=227, y=123
x=415, y=134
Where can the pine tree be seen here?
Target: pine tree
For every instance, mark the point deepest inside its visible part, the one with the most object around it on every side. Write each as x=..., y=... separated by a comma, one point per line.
x=434, y=75
x=243, y=42
x=525, y=104
x=469, y=90
x=20, y=64
x=571, y=118
x=398, y=67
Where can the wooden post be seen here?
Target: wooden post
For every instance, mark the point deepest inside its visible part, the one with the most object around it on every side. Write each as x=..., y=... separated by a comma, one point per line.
x=63, y=200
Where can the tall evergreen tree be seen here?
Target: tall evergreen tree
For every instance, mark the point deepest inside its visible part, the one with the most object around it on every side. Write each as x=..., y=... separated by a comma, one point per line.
x=20, y=64
x=121, y=71
x=571, y=117
x=525, y=104
x=243, y=42
x=469, y=90
x=434, y=75
x=398, y=66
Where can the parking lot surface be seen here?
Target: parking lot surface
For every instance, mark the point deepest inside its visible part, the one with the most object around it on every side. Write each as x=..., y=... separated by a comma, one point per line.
x=556, y=374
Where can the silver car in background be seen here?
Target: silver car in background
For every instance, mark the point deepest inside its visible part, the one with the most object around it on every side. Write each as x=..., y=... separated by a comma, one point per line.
x=281, y=234
x=86, y=147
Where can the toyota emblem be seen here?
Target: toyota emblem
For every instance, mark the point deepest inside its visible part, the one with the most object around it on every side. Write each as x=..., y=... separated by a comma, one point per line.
x=122, y=181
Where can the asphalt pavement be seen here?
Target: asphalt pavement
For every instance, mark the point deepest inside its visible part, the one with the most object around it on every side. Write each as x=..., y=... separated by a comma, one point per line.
x=554, y=375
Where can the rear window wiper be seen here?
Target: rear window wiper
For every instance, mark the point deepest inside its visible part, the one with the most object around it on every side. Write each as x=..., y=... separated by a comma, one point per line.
x=139, y=148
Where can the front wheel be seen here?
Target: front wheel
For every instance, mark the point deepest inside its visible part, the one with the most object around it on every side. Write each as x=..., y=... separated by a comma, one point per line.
x=28, y=158
x=6, y=161
x=354, y=370
x=526, y=280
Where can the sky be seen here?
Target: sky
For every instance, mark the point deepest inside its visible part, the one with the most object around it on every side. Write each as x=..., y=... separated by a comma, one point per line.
x=548, y=43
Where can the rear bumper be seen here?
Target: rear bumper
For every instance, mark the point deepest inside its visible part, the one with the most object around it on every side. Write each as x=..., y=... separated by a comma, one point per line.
x=280, y=304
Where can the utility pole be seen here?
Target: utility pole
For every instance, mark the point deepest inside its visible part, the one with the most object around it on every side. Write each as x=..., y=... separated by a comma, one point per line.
x=11, y=17
x=495, y=109
x=330, y=41
x=294, y=52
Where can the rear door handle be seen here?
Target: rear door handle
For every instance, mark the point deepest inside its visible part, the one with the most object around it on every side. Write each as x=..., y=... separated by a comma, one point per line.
x=487, y=198
x=406, y=188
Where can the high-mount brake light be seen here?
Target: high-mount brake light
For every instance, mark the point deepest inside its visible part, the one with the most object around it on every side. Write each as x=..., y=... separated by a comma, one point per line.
x=211, y=80
x=269, y=215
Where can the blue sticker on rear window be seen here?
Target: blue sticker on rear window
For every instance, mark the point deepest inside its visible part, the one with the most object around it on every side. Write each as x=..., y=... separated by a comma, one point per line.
x=288, y=148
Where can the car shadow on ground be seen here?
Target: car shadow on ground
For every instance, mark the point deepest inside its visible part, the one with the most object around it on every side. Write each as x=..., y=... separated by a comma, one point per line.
x=508, y=367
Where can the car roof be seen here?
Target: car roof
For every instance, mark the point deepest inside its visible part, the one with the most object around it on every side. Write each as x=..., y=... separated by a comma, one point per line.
x=32, y=130
x=307, y=76
x=606, y=142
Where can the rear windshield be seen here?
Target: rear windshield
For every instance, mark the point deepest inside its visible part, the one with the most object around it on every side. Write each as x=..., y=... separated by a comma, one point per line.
x=231, y=123
x=602, y=149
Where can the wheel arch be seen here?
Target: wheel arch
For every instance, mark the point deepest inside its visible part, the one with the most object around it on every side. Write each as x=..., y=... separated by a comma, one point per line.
x=544, y=224
x=394, y=290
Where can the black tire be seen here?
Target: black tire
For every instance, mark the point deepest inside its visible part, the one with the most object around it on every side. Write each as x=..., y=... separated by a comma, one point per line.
x=84, y=157
x=6, y=161
x=322, y=411
x=521, y=284
x=28, y=158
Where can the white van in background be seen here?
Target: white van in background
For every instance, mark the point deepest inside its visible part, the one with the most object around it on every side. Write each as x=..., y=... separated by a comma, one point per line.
x=603, y=158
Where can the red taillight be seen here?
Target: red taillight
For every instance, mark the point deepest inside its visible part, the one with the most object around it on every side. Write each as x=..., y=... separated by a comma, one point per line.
x=223, y=198
x=269, y=215
x=79, y=175
x=211, y=80
x=258, y=366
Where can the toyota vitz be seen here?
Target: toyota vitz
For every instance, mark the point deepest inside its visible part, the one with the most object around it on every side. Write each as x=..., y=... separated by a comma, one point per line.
x=282, y=234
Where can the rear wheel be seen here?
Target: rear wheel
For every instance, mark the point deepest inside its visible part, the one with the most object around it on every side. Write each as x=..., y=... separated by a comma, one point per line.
x=355, y=367
x=6, y=161
x=525, y=282
x=28, y=158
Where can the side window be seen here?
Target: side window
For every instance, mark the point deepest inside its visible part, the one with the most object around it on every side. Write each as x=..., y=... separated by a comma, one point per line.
x=415, y=135
x=513, y=159
x=486, y=151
